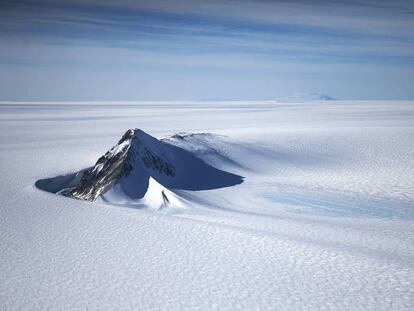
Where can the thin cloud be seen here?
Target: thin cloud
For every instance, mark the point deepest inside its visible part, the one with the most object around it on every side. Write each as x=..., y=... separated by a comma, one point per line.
x=206, y=37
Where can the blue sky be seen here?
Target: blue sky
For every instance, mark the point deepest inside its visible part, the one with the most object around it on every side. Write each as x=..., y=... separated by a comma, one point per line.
x=205, y=50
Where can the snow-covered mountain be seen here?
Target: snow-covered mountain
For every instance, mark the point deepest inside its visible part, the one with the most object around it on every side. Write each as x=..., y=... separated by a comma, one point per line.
x=141, y=169
x=304, y=97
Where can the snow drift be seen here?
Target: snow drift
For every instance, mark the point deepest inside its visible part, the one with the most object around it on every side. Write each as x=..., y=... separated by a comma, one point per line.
x=141, y=169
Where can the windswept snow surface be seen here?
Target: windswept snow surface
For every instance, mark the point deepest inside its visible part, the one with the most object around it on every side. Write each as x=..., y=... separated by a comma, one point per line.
x=323, y=220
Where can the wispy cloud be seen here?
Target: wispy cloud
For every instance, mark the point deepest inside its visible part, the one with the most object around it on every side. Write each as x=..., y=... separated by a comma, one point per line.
x=256, y=36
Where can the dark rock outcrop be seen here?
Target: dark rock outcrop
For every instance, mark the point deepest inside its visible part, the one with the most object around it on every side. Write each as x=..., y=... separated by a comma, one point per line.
x=117, y=162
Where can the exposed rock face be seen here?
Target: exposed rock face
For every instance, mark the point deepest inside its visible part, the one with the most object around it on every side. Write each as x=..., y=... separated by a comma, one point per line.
x=119, y=161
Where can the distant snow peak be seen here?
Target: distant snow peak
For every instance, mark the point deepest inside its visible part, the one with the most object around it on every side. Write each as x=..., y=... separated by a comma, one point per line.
x=304, y=97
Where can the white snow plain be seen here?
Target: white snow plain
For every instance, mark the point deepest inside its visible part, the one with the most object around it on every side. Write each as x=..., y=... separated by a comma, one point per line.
x=324, y=219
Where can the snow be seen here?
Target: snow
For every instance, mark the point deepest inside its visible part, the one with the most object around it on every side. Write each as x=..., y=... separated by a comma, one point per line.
x=324, y=218
x=156, y=197
x=116, y=149
x=303, y=97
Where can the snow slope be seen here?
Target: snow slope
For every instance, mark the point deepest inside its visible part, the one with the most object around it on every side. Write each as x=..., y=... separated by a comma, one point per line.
x=323, y=219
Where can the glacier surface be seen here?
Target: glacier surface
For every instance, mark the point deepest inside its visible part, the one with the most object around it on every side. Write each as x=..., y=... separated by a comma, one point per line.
x=323, y=220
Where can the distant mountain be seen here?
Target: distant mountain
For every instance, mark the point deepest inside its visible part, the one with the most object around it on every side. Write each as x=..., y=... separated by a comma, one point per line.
x=304, y=97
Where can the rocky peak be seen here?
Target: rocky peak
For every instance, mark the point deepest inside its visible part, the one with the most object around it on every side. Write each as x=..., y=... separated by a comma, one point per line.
x=120, y=160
